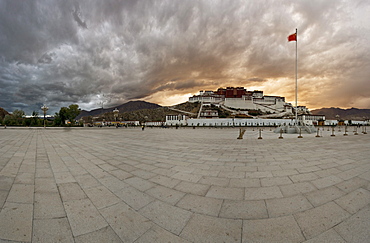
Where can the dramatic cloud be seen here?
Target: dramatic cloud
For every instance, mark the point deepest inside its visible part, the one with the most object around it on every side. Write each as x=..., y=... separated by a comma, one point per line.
x=89, y=52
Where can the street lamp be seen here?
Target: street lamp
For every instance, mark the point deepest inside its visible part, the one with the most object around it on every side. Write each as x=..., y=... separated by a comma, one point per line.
x=44, y=108
x=115, y=113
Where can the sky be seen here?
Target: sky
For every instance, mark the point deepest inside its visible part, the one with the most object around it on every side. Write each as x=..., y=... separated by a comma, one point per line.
x=94, y=52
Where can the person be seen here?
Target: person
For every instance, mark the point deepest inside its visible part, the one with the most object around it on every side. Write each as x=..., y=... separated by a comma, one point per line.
x=142, y=127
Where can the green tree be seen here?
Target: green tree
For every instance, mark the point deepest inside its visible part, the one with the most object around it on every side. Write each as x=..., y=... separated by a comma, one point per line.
x=57, y=119
x=35, y=119
x=18, y=113
x=18, y=116
x=9, y=120
x=73, y=112
x=67, y=113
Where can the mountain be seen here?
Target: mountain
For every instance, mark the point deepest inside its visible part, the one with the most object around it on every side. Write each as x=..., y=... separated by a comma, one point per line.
x=126, y=107
x=344, y=114
x=3, y=113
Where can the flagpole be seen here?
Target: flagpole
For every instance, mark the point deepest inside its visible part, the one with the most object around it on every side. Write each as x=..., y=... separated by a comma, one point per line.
x=296, y=77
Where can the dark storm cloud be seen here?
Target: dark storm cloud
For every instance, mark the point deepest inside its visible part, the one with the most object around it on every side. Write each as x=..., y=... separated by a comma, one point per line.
x=63, y=52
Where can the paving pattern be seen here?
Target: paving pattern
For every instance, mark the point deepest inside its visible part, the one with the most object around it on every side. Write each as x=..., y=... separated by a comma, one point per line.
x=182, y=185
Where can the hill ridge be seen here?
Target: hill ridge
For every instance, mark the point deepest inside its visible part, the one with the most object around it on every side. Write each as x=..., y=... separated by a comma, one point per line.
x=334, y=113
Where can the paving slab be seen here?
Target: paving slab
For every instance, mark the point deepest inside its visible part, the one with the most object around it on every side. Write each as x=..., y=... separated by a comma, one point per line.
x=157, y=234
x=140, y=183
x=134, y=198
x=165, y=194
x=101, y=197
x=353, y=184
x=45, y=185
x=328, y=236
x=288, y=205
x=297, y=188
x=260, y=193
x=16, y=221
x=103, y=235
x=3, y=196
x=182, y=185
x=226, y=193
x=52, y=230
x=6, y=182
x=281, y=229
x=192, y=188
x=21, y=193
x=71, y=191
x=326, y=181
x=242, y=209
x=126, y=222
x=325, y=195
x=201, y=228
x=356, y=228
x=199, y=204
x=320, y=219
x=167, y=216
x=48, y=205
x=83, y=216
x=354, y=201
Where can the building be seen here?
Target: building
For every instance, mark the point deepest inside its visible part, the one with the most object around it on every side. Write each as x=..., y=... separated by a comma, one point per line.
x=308, y=119
x=209, y=114
x=176, y=120
x=240, y=98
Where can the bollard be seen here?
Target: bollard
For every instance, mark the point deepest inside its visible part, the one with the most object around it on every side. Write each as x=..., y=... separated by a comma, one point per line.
x=281, y=134
x=241, y=133
x=317, y=134
x=355, y=131
x=332, y=132
x=260, y=137
x=345, y=131
x=364, y=132
x=300, y=133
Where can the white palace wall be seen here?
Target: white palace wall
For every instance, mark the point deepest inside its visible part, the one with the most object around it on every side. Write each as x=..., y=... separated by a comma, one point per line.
x=238, y=122
x=240, y=103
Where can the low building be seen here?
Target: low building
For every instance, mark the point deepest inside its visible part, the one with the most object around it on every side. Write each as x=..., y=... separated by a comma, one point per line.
x=176, y=120
x=209, y=114
x=311, y=119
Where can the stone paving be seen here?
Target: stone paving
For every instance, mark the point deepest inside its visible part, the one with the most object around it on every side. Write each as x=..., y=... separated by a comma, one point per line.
x=182, y=185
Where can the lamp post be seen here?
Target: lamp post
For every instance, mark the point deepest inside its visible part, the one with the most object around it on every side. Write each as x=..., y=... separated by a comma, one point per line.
x=115, y=113
x=44, y=108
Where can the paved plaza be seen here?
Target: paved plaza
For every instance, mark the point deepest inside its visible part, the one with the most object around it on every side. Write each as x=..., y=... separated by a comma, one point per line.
x=182, y=185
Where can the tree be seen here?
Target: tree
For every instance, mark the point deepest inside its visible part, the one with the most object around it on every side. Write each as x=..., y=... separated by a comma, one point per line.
x=18, y=116
x=73, y=112
x=66, y=113
x=9, y=120
x=18, y=113
x=35, y=119
x=57, y=119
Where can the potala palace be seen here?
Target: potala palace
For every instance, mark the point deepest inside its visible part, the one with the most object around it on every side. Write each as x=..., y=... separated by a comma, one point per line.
x=246, y=108
x=240, y=101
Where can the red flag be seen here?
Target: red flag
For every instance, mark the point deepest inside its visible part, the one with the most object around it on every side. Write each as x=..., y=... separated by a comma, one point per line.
x=292, y=37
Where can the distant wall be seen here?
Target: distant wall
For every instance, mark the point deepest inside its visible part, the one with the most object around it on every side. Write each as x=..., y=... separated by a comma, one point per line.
x=238, y=122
